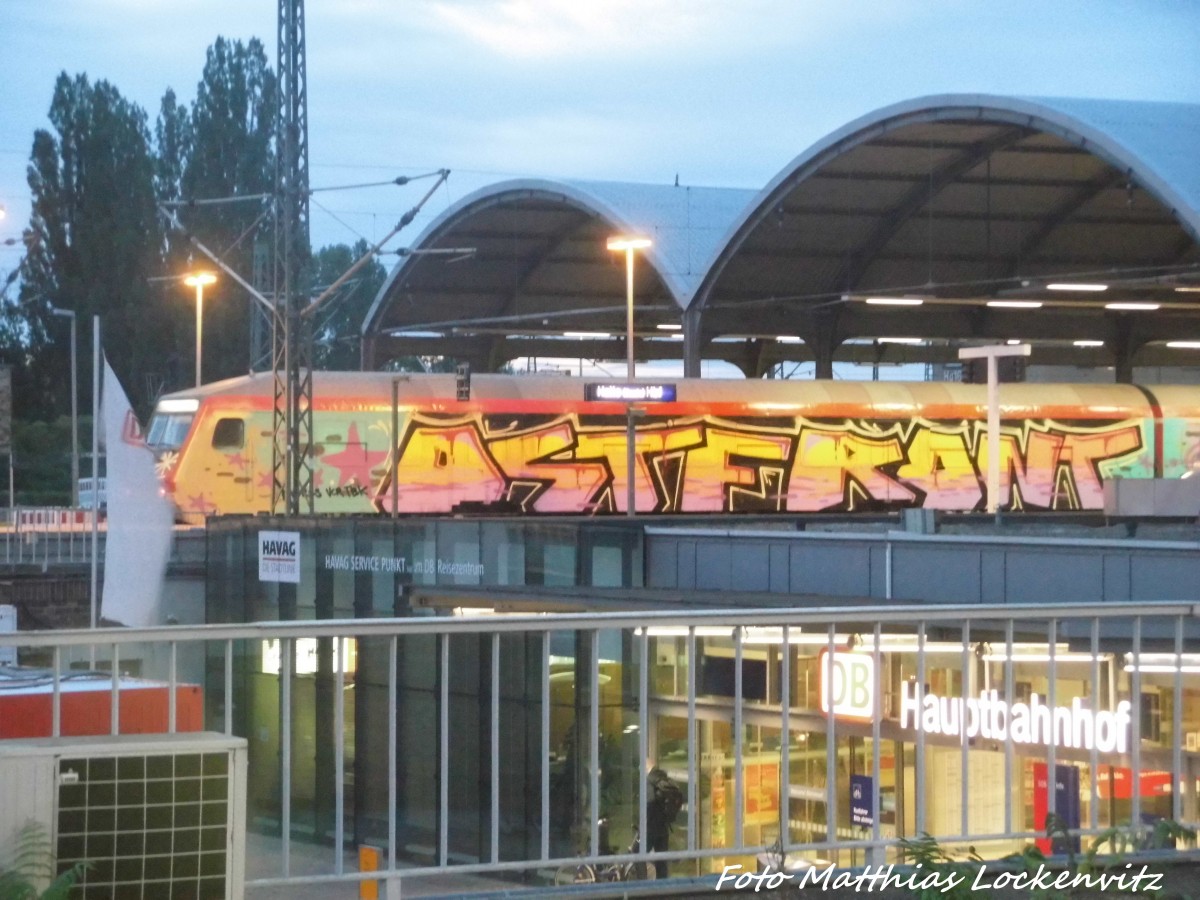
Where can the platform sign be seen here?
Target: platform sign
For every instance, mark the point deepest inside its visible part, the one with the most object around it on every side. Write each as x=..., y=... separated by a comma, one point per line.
x=1066, y=805
x=862, y=794
x=630, y=392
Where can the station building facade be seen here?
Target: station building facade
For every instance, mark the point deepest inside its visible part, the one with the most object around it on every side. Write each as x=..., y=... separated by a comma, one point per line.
x=891, y=729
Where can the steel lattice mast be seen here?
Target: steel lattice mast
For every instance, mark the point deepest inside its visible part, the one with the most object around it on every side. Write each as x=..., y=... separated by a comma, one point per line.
x=291, y=355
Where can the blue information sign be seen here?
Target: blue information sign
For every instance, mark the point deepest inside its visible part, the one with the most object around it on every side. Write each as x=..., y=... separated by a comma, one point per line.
x=626, y=392
x=862, y=793
x=1066, y=804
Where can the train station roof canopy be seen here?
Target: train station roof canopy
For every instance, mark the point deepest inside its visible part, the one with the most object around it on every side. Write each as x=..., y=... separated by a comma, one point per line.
x=523, y=264
x=963, y=211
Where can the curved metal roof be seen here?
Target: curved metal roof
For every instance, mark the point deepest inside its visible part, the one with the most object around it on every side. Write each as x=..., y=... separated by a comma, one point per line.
x=966, y=199
x=959, y=199
x=538, y=263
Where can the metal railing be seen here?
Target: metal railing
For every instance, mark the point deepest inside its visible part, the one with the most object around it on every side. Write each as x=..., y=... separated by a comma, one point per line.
x=41, y=535
x=1101, y=665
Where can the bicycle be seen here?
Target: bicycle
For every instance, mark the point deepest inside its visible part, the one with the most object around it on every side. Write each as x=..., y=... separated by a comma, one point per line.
x=590, y=873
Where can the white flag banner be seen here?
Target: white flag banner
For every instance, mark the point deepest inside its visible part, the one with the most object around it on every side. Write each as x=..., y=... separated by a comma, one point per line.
x=140, y=520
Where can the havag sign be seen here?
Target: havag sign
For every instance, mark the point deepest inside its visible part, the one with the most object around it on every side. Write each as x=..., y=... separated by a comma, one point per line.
x=847, y=684
x=279, y=556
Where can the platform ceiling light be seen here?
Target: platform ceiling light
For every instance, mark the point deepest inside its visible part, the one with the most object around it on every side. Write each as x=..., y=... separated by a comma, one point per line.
x=1133, y=307
x=1076, y=286
x=893, y=301
x=1012, y=342
x=1001, y=657
x=1184, y=345
x=1015, y=304
x=788, y=339
x=629, y=242
x=1164, y=663
x=669, y=326
x=1088, y=343
x=900, y=340
x=1188, y=290
x=585, y=335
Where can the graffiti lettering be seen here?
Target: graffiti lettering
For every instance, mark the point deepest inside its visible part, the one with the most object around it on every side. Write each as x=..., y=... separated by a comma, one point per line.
x=939, y=466
x=838, y=469
x=703, y=464
x=345, y=490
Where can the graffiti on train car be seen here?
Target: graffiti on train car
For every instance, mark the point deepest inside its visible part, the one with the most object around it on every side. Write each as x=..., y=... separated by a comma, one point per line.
x=570, y=464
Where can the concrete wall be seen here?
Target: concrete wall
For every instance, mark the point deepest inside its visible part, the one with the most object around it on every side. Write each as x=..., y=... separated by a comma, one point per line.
x=925, y=568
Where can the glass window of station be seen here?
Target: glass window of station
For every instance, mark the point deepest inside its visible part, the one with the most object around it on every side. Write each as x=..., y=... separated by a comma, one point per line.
x=986, y=712
x=367, y=568
x=907, y=722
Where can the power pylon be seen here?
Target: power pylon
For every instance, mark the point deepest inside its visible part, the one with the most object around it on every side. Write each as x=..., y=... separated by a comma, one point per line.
x=291, y=353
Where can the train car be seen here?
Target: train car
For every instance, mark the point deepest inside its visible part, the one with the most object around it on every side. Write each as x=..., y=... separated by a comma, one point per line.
x=534, y=445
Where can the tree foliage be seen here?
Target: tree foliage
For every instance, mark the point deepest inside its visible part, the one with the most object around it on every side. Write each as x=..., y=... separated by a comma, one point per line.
x=231, y=155
x=93, y=240
x=98, y=245
x=337, y=332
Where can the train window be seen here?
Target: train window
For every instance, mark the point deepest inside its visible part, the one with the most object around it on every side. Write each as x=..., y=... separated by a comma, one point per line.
x=167, y=430
x=230, y=434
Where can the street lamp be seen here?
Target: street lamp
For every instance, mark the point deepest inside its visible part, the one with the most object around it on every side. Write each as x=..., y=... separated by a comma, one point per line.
x=70, y=314
x=198, y=281
x=629, y=243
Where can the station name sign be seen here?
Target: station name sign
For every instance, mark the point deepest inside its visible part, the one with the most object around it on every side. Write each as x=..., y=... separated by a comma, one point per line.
x=848, y=684
x=622, y=392
x=1075, y=727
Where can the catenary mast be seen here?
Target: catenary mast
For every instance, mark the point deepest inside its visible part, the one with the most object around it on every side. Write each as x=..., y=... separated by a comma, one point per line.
x=291, y=354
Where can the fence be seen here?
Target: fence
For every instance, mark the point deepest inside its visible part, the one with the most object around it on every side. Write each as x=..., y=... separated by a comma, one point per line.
x=48, y=534
x=490, y=747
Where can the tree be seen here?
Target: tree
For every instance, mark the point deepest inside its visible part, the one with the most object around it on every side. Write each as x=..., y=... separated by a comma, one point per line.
x=338, y=328
x=94, y=240
x=231, y=154
x=97, y=244
x=173, y=144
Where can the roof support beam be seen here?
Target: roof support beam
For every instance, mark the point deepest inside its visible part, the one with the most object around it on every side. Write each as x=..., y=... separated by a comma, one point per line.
x=1050, y=223
x=534, y=261
x=920, y=196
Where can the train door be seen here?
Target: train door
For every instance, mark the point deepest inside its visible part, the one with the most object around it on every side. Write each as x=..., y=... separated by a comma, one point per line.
x=231, y=465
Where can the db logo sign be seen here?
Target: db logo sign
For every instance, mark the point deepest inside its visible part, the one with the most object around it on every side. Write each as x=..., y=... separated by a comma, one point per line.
x=848, y=684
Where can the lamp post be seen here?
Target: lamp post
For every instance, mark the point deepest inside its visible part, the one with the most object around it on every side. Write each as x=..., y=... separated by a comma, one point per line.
x=198, y=281
x=70, y=314
x=629, y=243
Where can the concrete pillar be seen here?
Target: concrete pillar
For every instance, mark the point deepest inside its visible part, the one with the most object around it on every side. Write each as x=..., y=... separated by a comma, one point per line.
x=367, y=353
x=822, y=339
x=692, y=340
x=1124, y=347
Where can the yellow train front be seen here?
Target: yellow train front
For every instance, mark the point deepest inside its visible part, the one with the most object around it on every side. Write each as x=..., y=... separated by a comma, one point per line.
x=534, y=445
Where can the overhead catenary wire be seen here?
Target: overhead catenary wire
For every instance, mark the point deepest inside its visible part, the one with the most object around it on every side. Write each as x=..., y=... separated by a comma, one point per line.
x=405, y=220
x=399, y=180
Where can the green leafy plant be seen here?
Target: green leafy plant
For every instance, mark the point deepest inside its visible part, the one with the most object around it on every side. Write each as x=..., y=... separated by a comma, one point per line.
x=1031, y=859
x=31, y=865
x=1117, y=841
x=926, y=852
x=1127, y=840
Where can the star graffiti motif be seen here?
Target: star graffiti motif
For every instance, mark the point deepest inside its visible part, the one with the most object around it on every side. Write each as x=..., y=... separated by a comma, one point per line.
x=237, y=461
x=354, y=464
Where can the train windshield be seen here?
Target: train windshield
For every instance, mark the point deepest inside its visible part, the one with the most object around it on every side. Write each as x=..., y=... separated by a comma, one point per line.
x=170, y=423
